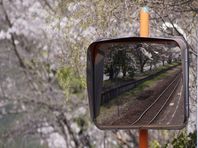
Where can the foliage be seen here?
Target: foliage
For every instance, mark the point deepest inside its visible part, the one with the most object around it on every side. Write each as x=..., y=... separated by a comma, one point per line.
x=82, y=123
x=119, y=61
x=184, y=140
x=131, y=72
x=69, y=82
x=155, y=144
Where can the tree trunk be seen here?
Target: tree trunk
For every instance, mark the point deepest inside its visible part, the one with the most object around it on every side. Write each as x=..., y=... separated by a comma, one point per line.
x=142, y=68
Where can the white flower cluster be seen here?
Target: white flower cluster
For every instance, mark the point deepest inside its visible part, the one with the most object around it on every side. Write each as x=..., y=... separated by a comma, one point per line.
x=4, y=35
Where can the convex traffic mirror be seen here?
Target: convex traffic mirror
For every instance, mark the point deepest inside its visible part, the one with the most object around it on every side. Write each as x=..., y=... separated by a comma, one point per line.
x=138, y=83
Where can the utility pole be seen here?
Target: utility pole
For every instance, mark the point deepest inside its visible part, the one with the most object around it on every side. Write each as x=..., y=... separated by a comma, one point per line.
x=144, y=32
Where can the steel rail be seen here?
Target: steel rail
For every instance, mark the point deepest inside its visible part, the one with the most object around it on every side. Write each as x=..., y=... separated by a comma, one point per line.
x=158, y=98
x=165, y=103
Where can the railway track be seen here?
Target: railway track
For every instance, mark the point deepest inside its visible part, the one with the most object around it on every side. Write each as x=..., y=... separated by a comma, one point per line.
x=153, y=111
x=107, y=95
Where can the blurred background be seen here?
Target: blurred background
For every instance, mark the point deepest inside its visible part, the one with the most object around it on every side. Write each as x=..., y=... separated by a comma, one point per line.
x=43, y=45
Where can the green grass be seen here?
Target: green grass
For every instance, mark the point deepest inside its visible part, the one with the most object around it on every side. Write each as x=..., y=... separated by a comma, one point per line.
x=147, y=84
x=108, y=83
x=152, y=82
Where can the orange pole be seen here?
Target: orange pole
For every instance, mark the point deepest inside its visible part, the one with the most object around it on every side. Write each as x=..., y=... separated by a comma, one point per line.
x=144, y=32
x=144, y=22
x=143, y=138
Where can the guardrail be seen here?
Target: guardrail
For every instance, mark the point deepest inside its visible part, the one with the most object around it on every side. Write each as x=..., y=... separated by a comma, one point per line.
x=109, y=94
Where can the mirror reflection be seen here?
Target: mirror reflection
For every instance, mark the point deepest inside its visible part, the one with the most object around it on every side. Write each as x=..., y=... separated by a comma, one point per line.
x=142, y=85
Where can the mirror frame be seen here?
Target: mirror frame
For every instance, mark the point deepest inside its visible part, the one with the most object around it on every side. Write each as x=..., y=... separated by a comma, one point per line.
x=93, y=81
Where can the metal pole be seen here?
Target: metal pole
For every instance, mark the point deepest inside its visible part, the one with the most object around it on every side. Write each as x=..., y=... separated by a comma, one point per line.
x=144, y=22
x=143, y=138
x=144, y=32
